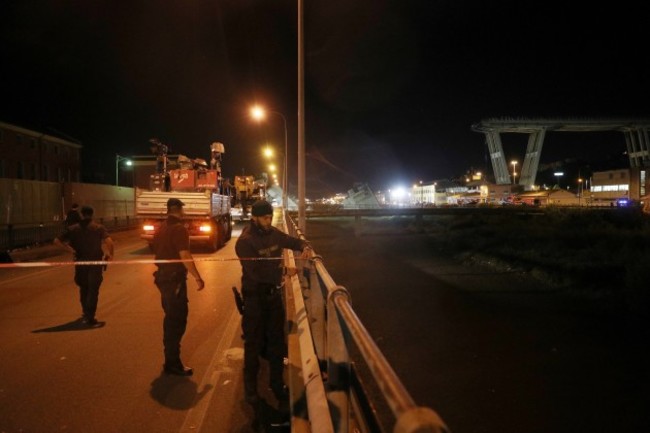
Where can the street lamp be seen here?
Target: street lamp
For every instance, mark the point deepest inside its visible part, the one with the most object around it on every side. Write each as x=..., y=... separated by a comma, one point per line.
x=579, y=192
x=119, y=158
x=514, y=171
x=558, y=174
x=259, y=113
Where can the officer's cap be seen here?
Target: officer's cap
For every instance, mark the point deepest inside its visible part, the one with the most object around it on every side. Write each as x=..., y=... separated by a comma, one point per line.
x=174, y=202
x=261, y=208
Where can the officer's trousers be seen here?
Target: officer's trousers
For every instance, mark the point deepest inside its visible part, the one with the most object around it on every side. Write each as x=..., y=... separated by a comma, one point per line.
x=173, y=296
x=88, y=278
x=263, y=325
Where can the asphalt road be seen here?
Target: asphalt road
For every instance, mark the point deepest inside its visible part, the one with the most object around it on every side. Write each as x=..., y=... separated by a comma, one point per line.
x=56, y=375
x=492, y=351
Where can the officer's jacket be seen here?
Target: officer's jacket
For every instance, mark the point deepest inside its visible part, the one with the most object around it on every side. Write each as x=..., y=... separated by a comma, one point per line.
x=171, y=238
x=253, y=243
x=86, y=238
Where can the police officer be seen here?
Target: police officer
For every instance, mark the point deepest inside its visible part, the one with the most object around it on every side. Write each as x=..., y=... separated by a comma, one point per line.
x=172, y=242
x=263, y=316
x=88, y=241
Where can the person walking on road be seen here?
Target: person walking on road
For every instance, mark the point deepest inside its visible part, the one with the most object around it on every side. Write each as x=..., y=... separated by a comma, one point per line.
x=172, y=242
x=88, y=241
x=263, y=320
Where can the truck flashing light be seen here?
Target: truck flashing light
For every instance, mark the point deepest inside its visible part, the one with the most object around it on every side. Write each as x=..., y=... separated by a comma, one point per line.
x=148, y=228
x=205, y=228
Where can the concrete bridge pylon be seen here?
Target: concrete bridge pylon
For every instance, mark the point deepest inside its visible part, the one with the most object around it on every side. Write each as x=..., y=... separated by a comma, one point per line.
x=637, y=140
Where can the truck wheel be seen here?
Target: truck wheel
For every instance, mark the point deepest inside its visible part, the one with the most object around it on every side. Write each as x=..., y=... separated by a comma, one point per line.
x=221, y=235
x=215, y=241
x=228, y=231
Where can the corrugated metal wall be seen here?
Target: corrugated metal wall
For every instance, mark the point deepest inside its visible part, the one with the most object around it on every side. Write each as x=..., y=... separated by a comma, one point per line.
x=33, y=211
x=29, y=202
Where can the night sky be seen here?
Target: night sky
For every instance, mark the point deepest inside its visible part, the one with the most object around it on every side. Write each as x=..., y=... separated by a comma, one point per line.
x=392, y=86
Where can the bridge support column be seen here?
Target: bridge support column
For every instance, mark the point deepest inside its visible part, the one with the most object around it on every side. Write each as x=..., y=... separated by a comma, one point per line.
x=638, y=147
x=531, y=160
x=499, y=164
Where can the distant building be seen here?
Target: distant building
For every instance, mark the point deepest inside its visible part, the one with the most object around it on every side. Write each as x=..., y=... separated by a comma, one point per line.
x=609, y=186
x=33, y=155
x=549, y=197
x=491, y=193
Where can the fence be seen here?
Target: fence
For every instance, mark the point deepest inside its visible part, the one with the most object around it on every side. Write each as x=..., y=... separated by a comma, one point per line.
x=325, y=331
x=32, y=212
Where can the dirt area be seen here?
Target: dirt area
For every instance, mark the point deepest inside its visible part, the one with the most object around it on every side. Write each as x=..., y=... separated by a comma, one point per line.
x=491, y=349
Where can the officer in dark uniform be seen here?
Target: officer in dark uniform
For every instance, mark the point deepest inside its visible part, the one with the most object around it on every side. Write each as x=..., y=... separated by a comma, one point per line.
x=172, y=242
x=263, y=318
x=88, y=241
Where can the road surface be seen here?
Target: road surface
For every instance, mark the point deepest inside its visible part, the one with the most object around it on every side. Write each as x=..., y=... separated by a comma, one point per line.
x=56, y=375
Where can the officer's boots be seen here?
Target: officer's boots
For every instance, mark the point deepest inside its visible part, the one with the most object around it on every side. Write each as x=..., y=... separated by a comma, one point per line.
x=250, y=389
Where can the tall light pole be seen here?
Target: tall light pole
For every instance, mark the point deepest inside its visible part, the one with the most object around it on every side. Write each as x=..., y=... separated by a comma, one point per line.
x=302, y=207
x=579, y=192
x=558, y=174
x=119, y=158
x=514, y=171
x=259, y=113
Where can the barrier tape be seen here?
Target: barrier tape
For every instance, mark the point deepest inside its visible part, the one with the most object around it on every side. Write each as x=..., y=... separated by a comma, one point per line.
x=130, y=262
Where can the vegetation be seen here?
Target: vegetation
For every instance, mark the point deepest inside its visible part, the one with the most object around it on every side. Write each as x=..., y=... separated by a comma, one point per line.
x=592, y=252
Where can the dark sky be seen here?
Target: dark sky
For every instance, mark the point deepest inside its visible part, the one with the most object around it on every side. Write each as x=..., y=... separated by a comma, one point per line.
x=392, y=86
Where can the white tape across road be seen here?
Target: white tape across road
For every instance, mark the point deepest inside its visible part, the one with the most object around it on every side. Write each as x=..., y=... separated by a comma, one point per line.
x=129, y=262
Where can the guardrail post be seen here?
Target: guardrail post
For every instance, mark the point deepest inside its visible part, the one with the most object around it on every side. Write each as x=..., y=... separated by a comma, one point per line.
x=338, y=363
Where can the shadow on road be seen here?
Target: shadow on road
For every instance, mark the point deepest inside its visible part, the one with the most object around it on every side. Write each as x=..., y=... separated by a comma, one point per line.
x=266, y=419
x=75, y=325
x=176, y=392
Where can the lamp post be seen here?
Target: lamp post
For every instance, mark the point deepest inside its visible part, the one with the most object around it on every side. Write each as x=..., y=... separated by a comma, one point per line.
x=119, y=158
x=579, y=192
x=514, y=171
x=258, y=113
x=558, y=174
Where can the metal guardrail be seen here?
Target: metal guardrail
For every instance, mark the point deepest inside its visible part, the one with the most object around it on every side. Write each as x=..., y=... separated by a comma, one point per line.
x=327, y=326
